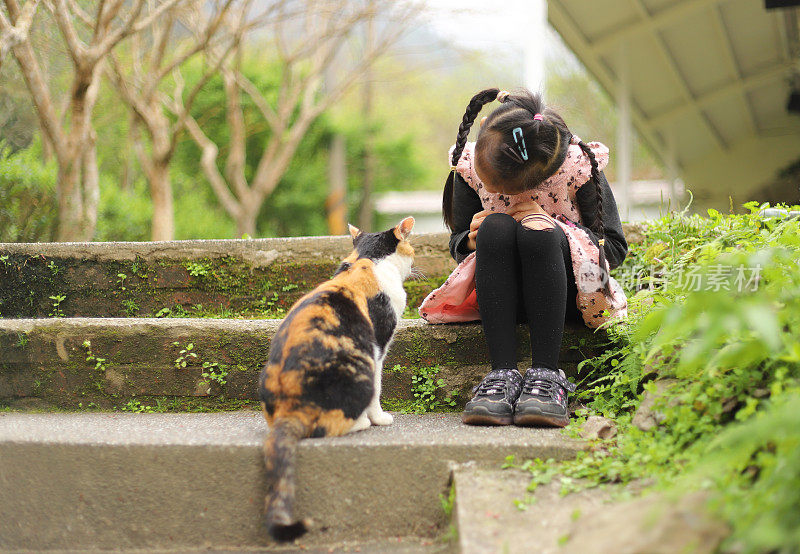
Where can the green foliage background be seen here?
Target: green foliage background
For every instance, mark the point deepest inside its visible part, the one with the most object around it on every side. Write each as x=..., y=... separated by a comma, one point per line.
x=730, y=421
x=28, y=207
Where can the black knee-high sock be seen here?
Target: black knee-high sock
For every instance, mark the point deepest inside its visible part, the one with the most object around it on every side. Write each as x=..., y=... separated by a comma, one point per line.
x=544, y=290
x=497, y=275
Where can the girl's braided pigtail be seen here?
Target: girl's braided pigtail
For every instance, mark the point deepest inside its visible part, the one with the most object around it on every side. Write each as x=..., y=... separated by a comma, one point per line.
x=597, y=225
x=473, y=109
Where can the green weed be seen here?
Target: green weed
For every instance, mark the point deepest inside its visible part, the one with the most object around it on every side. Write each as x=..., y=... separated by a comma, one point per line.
x=185, y=356
x=731, y=340
x=198, y=269
x=215, y=373
x=57, y=300
x=99, y=363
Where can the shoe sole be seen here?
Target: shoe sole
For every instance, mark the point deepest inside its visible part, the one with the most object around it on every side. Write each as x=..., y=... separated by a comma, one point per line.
x=485, y=419
x=540, y=420
x=482, y=416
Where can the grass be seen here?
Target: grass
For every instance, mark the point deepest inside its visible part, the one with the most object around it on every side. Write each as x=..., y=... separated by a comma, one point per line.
x=730, y=338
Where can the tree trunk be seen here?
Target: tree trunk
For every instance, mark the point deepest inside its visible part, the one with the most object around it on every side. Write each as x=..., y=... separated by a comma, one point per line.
x=163, y=227
x=47, y=145
x=246, y=220
x=70, y=201
x=91, y=188
x=78, y=176
x=336, y=202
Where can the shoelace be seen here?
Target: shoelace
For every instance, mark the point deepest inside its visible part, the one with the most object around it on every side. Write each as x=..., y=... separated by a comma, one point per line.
x=547, y=384
x=544, y=389
x=494, y=383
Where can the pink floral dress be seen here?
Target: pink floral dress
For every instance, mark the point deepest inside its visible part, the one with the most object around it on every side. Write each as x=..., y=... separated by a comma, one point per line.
x=456, y=300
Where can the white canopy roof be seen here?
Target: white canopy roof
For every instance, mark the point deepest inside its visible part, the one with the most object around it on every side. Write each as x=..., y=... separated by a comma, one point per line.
x=708, y=82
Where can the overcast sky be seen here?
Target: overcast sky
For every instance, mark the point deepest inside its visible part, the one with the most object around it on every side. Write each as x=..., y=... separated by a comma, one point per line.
x=503, y=25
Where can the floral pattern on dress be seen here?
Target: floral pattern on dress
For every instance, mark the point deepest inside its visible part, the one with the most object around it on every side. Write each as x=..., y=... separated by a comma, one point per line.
x=456, y=300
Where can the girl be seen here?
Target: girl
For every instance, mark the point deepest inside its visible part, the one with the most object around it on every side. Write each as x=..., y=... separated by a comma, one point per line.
x=535, y=229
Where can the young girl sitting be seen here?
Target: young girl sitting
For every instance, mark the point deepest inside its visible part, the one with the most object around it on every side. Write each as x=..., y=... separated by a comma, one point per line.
x=535, y=229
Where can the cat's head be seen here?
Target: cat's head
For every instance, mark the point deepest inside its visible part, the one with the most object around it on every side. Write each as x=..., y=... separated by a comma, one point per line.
x=390, y=246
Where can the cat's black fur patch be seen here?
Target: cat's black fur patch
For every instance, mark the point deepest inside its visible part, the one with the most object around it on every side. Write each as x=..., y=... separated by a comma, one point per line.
x=383, y=319
x=343, y=267
x=327, y=389
x=266, y=396
x=376, y=246
x=352, y=322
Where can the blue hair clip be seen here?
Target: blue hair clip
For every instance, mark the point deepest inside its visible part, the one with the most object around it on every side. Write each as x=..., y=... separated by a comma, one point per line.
x=520, y=140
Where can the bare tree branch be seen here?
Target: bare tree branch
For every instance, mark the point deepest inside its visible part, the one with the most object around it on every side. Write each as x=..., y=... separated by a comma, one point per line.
x=72, y=136
x=306, y=44
x=156, y=56
x=11, y=35
x=83, y=16
x=37, y=84
x=105, y=40
x=202, y=43
x=208, y=162
x=75, y=48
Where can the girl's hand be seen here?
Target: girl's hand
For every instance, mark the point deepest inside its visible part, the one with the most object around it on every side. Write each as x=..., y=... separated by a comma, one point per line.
x=477, y=219
x=520, y=211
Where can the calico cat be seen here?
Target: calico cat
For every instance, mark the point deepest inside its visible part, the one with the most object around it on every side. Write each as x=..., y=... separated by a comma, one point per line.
x=323, y=374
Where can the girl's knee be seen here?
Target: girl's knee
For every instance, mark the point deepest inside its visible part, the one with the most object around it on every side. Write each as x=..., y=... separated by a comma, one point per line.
x=546, y=238
x=495, y=231
x=497, y=227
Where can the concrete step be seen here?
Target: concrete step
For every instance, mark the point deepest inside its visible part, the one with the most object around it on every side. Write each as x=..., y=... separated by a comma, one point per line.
x=244, y=278
x=180, y=481
x=494, y=512
x=80, y=363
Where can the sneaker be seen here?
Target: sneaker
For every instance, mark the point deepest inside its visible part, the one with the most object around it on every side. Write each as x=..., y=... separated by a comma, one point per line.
x=493, y=403
x=543, y=400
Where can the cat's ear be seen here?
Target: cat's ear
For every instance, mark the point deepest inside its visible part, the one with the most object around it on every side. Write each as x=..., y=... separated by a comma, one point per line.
x=403, y=229
x=354, y=231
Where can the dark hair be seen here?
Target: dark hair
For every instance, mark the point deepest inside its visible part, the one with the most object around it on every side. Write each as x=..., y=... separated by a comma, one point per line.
x=523, y=161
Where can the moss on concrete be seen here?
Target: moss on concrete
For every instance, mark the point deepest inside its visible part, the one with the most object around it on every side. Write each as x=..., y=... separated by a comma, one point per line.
x=218, y=287
x=139, y=404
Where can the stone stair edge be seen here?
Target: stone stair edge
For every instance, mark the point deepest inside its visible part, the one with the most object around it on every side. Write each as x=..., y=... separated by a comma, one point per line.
x=24, y=324
x=429, y=243
x=248, y=428
x=282, y=247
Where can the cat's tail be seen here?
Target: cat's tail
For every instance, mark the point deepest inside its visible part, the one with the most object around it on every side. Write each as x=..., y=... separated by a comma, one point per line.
x=279, y=453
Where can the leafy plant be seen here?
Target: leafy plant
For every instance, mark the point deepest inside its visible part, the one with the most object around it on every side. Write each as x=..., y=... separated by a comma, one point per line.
x=185, y=355
x=57, y=300
x=198, y=269
x=136, y=407
x=214, y=372
x=424, y=384
x=28, y=204
x=99, y=363
x=131, y=307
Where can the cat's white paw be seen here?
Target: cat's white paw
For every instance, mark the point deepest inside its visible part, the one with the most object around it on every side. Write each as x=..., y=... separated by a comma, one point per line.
x=381, y=418
x=363, y=422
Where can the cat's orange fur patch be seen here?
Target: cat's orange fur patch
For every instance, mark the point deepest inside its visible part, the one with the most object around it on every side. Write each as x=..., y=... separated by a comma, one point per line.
x=405, y=248
x=335, y=422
